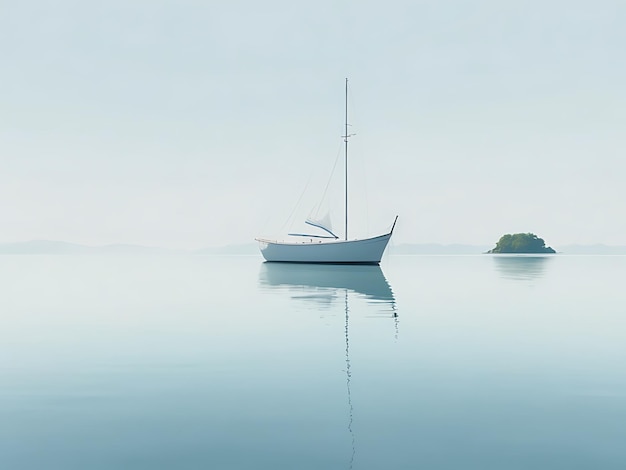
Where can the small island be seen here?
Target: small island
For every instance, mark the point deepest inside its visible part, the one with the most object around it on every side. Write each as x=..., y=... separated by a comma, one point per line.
x=521, y=243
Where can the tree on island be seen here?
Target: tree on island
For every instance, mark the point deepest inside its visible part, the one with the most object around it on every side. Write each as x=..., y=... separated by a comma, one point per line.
x=521, y=243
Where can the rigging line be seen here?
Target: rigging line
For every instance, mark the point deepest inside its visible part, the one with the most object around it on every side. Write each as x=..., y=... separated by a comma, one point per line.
x=365, y=172
x=319, y=206
x=297, y=203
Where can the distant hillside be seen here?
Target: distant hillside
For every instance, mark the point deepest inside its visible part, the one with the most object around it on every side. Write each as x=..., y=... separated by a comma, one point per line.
x=437, y=249
x=49, y=247
x=41, y=247
x=460, y=249
x=243, y=249
x=598, y=249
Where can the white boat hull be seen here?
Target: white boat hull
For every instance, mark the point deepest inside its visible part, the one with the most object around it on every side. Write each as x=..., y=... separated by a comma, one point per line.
x=365, y=251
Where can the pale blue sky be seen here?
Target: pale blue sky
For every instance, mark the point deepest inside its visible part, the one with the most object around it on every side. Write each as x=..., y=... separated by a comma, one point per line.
x=188, y=123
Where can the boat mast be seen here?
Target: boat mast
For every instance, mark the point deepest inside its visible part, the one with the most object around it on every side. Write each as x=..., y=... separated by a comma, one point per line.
x=345, y=139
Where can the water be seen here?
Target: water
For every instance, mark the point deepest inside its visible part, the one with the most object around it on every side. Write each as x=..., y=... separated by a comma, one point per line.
x=433, y=362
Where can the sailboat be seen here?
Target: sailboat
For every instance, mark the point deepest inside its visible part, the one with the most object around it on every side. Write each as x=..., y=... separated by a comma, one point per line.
x=328, y=248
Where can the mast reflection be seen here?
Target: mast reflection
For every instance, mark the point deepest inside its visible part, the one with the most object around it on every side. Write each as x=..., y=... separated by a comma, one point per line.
x=324, y=285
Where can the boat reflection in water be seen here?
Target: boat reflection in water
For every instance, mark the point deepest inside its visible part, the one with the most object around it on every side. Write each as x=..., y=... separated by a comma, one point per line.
x=521, y=267
x=320, y=286
x=323, y=284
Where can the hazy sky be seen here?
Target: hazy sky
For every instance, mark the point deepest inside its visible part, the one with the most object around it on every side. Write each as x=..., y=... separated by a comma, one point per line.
x=198, y=123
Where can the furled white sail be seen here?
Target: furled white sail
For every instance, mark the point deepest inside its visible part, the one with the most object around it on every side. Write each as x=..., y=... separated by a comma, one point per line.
x=324, y=223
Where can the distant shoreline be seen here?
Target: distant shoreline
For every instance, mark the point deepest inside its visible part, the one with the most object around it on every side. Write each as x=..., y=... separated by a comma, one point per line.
x=59, y=247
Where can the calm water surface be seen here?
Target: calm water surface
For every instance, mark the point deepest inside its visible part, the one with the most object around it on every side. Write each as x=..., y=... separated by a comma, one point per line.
x=433, y=362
